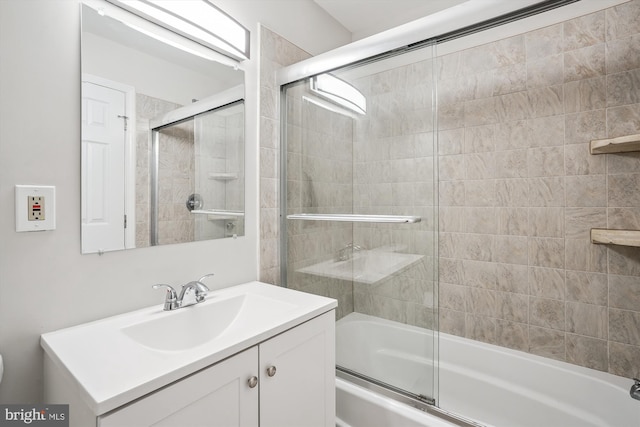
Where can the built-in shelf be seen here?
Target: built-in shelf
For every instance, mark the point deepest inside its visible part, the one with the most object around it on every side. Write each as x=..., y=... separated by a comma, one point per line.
x=356, y=218
x=223, y=176
x=623, y=144
x=605, y=236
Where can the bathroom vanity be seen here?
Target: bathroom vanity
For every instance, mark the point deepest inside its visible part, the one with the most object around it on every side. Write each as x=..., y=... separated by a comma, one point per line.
x=250, y=355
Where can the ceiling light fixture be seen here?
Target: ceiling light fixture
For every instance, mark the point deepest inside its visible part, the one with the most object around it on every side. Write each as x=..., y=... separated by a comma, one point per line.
x=197, y=20
x=340, y=92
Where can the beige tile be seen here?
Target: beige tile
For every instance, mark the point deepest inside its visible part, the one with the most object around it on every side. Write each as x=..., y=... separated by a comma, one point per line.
x=510, y=249
x=452, y=322
x=451, y=167
x=478, y=247
x=513, y=221
x=623, y=190
x=586, y=287
x=623, y=163
x=546, y=222
x=546, y=252
x=512, y=278
x=451, y=193
x=582, y=255
x=623, y=360
x=481, y=112
x=480, y=193
x=586, y=190
x=581, y=128
x=624, y=218
x=546, y=191
x=451, y=141
x=623, y=88
x=480, y=165
x=512, y=135
x=479, y=274
x=585, y=95
x=481, y=220
x=545, y=161
x=545, y=131
x=547, y=101
x=512, y=192
x=544, y=42
x=587, y=319
x=624, y=326
x=452, y=297
x=512, y=307
x=546, y=283
x=545, y=72
x=579, y=161
x=512, y=335
x=520, y=105
x=622, y=20
x=623, y=120
x=589, y=352
x=450, y=271
x=624, y=261
x=580, y=221
x=584, y=63
x=623, y=54
x=547, y=342
x=624, y=292
x=547, y=313
x=511, y=164
x=479, y=139
x=510, y=79
x=481, y=328
x=584, y=31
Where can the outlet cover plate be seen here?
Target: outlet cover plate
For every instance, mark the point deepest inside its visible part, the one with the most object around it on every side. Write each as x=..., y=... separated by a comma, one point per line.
x=24, y=195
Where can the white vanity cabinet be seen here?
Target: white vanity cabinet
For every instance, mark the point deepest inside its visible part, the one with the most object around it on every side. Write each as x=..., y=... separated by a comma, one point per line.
x=295, y=387
x=272, y=365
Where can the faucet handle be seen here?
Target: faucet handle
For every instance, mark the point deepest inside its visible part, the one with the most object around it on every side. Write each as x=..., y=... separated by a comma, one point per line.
x=171, y=300
x=205, y=276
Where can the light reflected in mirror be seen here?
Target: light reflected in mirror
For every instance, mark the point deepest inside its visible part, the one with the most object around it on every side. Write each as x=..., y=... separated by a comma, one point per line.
x=130, y=81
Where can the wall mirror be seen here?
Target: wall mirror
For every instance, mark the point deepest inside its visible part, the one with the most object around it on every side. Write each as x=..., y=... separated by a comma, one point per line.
x=162, y=135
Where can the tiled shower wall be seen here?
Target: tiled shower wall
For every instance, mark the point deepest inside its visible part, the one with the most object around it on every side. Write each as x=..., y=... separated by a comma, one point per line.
x=519, y=191
x=275, y=53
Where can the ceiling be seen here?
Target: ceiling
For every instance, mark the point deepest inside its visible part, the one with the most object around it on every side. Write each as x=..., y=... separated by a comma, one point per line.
x=364, y=18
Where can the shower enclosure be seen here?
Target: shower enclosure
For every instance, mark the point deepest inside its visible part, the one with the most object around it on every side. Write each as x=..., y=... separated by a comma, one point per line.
x=360, y=204
x=446, y=201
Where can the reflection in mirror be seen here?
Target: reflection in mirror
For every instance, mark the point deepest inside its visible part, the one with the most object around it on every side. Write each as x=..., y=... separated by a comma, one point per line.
x=198, y=171
x=130, y=77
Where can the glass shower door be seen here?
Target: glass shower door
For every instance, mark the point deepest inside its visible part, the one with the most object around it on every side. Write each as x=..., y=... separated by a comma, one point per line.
x=359, y=207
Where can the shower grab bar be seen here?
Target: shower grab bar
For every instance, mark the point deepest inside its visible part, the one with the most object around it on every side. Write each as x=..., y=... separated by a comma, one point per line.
x=356, y=218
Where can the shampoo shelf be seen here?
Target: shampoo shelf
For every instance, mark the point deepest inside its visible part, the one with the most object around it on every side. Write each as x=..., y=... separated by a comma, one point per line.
x=397, y=219
x=623, y=144
x=615, y=237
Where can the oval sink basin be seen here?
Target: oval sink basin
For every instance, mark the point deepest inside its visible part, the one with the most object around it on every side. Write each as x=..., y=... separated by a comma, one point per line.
x=198, y=324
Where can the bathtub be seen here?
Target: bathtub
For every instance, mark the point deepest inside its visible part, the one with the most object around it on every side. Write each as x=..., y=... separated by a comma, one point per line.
x=487, y=384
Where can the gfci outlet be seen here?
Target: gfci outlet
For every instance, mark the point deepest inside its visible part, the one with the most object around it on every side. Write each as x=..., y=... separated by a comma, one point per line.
x=35, y=208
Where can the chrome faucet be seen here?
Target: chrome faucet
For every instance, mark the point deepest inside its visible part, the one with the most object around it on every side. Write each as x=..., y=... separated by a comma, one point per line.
x=190, y=294
x=347, y=252
x=635, y=389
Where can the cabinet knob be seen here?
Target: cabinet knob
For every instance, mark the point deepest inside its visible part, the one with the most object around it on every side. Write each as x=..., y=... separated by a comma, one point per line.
x=271, y=371
x=253, y=381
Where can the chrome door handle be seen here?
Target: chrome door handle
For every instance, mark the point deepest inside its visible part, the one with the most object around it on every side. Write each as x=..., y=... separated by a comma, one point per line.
x=271, y=371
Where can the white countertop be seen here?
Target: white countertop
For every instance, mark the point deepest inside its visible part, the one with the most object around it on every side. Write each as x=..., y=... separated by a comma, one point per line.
x=111, y=369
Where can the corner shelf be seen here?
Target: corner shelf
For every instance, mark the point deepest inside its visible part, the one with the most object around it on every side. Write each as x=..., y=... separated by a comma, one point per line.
x=622, y=144
x=605, y=236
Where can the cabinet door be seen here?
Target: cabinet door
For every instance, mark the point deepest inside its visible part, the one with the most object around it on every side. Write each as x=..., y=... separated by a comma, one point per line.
x=218, y=396
x=301, y=391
